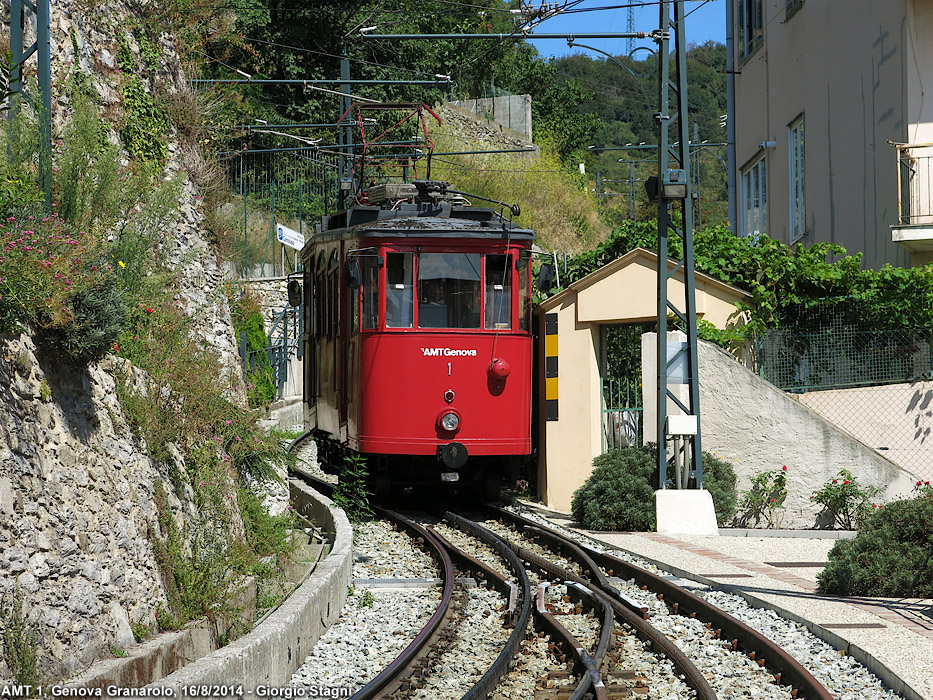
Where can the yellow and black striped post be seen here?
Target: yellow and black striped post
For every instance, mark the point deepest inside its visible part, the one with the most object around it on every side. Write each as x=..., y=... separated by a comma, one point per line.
x=550, y=366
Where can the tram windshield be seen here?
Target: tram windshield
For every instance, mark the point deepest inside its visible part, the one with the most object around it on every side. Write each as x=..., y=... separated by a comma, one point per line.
x=449, y=290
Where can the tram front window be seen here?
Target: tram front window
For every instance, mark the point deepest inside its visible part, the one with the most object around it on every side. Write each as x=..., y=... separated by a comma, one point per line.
x=449, y=290
x=498, y=292
x=399, y=291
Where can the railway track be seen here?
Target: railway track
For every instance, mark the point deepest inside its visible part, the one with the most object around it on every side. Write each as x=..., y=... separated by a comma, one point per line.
x=582, y=623
x=413, y=671
x=626, y=584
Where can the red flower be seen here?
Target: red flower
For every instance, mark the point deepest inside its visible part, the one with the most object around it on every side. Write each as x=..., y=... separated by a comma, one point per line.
x=149, y=310
x=846, y=481
x=919, y=484
x=926, y=483
x=784, y=468
x=834, y=481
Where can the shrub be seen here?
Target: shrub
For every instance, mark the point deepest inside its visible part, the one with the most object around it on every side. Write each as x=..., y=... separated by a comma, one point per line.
x=351, y=492
x=719, y=480
x=247, y=318
x=766, y=497
x=20, y=640
x=890, y=556
x=99, y=318
x=49, y=281
x=846, y=500
x=619, y=494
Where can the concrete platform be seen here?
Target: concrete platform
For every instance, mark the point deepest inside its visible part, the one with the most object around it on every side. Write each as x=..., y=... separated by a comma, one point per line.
x=777, y=570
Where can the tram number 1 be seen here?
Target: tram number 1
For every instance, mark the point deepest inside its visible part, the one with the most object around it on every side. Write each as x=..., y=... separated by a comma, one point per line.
x=448, y=369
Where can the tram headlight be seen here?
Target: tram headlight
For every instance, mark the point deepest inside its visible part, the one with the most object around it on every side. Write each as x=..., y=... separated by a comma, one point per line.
x=450, y=421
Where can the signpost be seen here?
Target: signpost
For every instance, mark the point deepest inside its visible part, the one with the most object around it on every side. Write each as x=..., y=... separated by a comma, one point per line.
x=289, y=236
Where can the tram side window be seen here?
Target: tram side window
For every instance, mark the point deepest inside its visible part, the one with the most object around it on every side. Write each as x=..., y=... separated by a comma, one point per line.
x=524, y=299
x=400, y=300
x=449, y=290
x=370, y=267
x=498, y=292
x=320, y=299
x=333, y=299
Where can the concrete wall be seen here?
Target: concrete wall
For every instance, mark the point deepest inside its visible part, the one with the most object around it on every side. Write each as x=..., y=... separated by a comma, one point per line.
x=842, y=66
x=272, y=652
x=512, y=111
x=569, y=444
x=897, y=418
x=756, y=426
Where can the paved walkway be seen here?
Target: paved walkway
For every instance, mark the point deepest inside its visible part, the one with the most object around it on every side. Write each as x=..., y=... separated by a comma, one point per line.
x=780, y=571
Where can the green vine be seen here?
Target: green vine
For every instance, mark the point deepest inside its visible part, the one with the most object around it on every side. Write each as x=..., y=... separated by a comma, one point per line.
x=146, y=125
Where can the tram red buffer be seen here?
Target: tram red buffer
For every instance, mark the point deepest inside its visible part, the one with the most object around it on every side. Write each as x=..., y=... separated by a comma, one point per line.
x=418, y=346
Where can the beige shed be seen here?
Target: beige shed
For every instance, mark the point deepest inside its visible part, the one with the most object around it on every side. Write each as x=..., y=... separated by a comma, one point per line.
x=571, y=327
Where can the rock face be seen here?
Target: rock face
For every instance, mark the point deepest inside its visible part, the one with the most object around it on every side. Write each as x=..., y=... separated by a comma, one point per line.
x=76, y=508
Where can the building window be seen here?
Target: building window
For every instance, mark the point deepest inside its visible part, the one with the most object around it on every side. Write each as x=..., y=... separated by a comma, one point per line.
x=751, y=26
x=791, y=7
x=755, y=199
x=796, y=184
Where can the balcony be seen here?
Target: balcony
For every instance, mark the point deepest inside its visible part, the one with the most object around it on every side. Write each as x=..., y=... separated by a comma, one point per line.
x=914, y=228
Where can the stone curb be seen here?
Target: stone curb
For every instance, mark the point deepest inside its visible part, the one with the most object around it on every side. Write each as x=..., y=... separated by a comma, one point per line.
x=272, y=652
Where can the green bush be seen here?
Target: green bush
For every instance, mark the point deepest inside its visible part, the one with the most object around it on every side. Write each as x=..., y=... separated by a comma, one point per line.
x=848, y=501
x=99, y=318
x=619, y=494
x=247, y=318
x=891, y=556
x=719, y=479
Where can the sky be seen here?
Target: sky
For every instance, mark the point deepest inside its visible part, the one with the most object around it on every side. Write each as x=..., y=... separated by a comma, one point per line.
x=706, y=20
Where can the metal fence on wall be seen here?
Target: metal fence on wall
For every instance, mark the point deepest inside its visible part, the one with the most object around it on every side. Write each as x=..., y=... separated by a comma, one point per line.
x=294, y=187
x=874, y=384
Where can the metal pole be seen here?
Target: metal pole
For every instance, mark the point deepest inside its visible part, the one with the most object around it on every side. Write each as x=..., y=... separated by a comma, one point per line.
x=44, y=47
x=346, y=135
x=245, y=243
x=730, y=118
x=17, y=22
x=679, y=152
x=631, y=180
x=663, y=225
x=300, y=81
x=514, y=36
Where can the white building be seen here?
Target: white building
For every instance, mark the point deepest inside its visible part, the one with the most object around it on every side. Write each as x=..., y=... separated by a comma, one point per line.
x=833, y=130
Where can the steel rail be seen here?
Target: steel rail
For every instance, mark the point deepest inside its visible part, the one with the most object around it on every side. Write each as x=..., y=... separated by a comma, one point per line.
x=500, y=666
x=788, y=671
x=659, y=641
x=587, y=665
x=468, y=562
x=392, y=673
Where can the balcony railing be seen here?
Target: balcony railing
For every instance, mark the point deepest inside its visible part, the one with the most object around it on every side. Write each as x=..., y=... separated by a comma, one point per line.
x=914, y=184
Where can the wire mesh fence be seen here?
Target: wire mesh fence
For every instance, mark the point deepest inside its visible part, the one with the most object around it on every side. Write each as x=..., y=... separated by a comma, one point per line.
x=293, y=187
x=874, y=384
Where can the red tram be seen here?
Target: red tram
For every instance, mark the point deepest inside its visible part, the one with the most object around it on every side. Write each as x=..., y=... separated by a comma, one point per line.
x=418, y=348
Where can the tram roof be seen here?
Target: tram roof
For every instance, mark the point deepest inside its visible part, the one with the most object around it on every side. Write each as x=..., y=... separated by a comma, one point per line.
x=418, y=220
